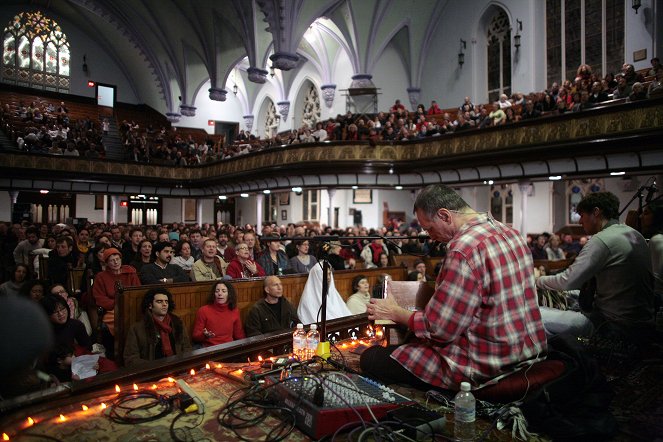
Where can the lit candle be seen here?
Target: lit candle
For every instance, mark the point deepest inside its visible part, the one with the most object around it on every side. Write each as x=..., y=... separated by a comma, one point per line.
x=207, y=366
x=117, y=388
x=154, y=386
x=5, y=436
x=103, y=406
x=219, y=366
x=62, y=418
x=192, y=372
x=171, y=380
x=135, y=387
x=84, y=407
x=31, y=422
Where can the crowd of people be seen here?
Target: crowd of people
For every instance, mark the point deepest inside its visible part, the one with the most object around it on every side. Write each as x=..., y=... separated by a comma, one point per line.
x=45, y=128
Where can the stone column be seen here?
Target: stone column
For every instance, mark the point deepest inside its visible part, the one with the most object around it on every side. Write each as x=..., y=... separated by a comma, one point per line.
x=331, y=191
x=115, y=201
x=217, y=94
x=260, y=197
x=13, y=196
x=524, y=187
x=413, y=94
x=199, y=213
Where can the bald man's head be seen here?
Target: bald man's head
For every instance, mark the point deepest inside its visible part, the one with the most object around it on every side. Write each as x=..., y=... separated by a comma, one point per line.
x=273, y=289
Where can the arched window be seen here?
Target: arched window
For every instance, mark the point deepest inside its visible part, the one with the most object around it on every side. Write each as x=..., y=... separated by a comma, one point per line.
x=499, y=56
x=35, y=53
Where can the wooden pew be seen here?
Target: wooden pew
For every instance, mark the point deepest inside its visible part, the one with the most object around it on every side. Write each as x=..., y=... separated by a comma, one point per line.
x=189, y=297
x=553, y=267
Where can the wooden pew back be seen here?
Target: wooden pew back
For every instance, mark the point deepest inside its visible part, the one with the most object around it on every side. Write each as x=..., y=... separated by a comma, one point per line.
x=189, y=297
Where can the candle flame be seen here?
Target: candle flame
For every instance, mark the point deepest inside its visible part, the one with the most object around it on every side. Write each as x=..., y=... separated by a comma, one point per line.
x=103, y=406
x=193, y=372
x=62, y=418
x=84, y=407
x=171, y=380
x=135, y=387
x=117, y=388
x=154, y=386
x=31, y=421
x=207, y=366
x=5, y=436
x=259, y=358
x=219, y=366
x=344, y=346
x=240, y=371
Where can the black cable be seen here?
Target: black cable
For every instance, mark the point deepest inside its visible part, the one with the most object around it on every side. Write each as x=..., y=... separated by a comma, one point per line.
x=173, y=431
x=165, y=407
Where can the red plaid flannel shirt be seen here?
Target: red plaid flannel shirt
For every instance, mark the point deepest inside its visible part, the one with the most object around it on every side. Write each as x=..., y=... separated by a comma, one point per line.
x=483, y=319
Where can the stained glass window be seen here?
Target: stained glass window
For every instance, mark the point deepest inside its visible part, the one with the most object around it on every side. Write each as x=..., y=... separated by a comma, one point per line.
x=499, y=56
x=35, y=53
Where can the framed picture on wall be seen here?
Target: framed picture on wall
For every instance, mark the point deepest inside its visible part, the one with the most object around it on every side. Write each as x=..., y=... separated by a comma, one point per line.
x=99, y=202
x=362, y=196
x=189, y=210
x=284, y=215
x=284, y=199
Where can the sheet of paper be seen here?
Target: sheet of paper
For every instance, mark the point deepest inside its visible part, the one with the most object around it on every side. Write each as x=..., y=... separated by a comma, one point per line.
x=84, y=366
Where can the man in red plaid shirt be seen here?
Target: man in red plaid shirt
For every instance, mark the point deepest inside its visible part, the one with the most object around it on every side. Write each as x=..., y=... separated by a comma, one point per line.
x=483, y=321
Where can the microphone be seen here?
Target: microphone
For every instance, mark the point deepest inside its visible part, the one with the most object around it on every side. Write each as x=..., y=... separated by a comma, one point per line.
x=651, y=190
x=422, y=237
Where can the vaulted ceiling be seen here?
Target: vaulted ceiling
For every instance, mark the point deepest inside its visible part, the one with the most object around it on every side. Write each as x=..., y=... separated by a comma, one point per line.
x=169, y=48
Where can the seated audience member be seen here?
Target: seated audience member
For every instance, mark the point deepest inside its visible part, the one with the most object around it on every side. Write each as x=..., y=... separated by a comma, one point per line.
x=273, y=312
x=553, y=250
x=34, y=289
x=618, y=258
x=638, y=92
x=218, y=322
x=161, y=270
x=504, y=102
x=530, y=111
x=331, y=252
x=160, y=333
x=19, y=276
x=302, y=262
x=223, y=249
x=497, y=117
x=397, y=107
x=68, y=333
x=371, y=253
x=539, y=248
x=144, y=255
x=242, y=266
x=484, y=314
x=311, y=300
x=183, y=256
x=23, y=253
x=74, y=310
x=434, y=109
x=358, y=301
x=656, y=68
x=130, y=248
x=570, y=246
x=597, y=95
x=420, y=267
x=106, y=284
x=652, y=228
x=383, y=260
x=273, y=260
x=197, y=244
x=655, y=88
x=415, y=275
x=61, y=260
x=254, y=246
x=211, y=266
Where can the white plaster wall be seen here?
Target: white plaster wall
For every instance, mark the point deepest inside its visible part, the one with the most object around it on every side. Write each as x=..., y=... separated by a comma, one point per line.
x=85, y=208
x=640, y=33
x=390, y=76
x=207, y=210
x=342, y=75
x=229, y=110
x=171, y=210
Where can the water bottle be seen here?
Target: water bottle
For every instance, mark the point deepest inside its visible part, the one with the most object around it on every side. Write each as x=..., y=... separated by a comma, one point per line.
x=312, y=340
x=464, y=413
x=299, y=342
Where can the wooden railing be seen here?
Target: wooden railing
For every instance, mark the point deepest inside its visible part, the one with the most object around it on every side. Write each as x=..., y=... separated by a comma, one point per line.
x=189, y=297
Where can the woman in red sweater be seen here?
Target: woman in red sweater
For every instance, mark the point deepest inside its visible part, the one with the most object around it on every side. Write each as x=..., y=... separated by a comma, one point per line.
x=218, y=321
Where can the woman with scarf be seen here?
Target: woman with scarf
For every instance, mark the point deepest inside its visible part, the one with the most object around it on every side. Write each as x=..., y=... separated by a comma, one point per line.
x=218, y=321
x=309, y=310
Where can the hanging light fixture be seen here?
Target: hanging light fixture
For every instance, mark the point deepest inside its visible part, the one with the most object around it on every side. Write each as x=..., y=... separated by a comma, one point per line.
x=516, y=38
x=461, y=53
x=635, y=4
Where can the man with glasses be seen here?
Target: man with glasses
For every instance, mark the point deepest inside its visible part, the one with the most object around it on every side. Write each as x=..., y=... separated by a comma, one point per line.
x=159, y=334
x=161, y=271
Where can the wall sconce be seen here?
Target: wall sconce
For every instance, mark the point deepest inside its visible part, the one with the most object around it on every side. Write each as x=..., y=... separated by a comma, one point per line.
x=461, y=54
x=635, y=4
x=271, y=71
x=516, y=38
x=235, y=88
x=84, y=64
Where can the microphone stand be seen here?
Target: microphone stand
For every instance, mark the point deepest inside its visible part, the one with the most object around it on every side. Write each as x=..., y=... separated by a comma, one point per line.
x=324, y=348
